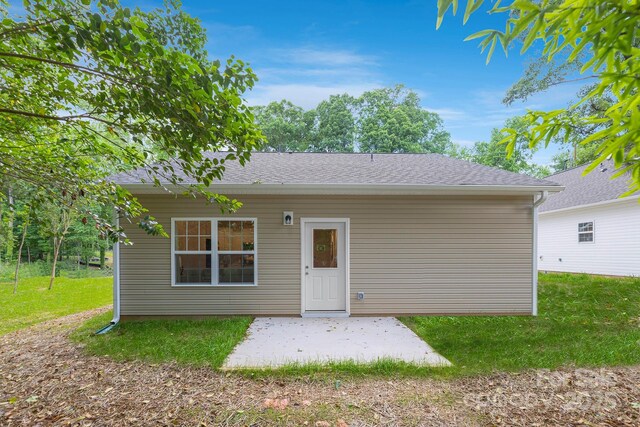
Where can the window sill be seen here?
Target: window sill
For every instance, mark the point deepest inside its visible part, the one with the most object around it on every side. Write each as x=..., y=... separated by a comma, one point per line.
x=209, y=285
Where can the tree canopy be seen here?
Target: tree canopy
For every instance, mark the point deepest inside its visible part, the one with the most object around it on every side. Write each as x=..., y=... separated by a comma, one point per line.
x=391, y=120
x=603, y=35
x=92, y=88
x=387, y=120
x=492, y=153
x=284, y=125
x=334, y=125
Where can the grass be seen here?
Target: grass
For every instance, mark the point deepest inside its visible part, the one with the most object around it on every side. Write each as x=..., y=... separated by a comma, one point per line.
x=583, y=321
x=39, y=268
x=34, y=303
x=196, y=342
x=326, y=372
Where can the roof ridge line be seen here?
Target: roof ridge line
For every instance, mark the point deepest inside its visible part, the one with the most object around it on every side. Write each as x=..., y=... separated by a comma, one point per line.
x=575, y=167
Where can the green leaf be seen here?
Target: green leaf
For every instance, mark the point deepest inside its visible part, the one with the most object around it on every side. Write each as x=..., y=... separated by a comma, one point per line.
x=619, y=157
x=472, y=6
x=479, y=34
x=492, y=48
x=443, y=6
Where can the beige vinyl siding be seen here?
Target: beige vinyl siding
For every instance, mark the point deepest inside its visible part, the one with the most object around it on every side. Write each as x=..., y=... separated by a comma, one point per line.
x=409, y=254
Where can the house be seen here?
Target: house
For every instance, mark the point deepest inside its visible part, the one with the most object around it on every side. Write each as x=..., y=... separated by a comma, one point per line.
x=338, y=234
x=588, y=228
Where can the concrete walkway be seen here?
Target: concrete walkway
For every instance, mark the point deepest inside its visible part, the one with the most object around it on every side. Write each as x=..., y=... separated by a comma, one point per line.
x=278, y=341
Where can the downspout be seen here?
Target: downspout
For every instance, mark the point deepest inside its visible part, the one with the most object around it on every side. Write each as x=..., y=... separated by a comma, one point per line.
x=543, y=198
x=116, y=285
x=534, y=263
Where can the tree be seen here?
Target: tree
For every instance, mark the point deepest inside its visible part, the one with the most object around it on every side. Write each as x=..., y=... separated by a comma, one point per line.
x=603, y=34
x=334, y=125
x=26, y=214
x=391, y=120
x=91, y=83
x=539, y=76
x=492, y=153
x=82, y=241
x=388, y=120
x=285, y=126
x=56, y=219
x=577, y=155
x=7, y=217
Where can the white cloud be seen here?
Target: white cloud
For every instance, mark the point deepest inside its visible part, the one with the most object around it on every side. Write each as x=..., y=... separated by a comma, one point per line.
x=449, y=114
x=306, y=96
x=482, y=110
x=307, y=75
x=285, y=73
x=323, y=57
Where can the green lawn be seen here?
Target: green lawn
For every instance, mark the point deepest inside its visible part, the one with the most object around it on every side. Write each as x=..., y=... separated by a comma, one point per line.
x=34, y=303
x=198, y=342
x=583, y=321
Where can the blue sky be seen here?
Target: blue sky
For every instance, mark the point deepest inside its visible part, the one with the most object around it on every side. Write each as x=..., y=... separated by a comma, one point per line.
x=305, y=51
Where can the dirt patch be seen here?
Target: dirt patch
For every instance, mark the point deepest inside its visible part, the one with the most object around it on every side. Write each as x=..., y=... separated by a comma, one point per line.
x=47, y=380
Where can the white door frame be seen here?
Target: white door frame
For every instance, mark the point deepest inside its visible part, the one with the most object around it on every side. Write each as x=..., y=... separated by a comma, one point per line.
x=303, y=242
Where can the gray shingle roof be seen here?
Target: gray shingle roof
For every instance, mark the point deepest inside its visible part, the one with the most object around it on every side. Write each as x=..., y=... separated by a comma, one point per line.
x=359, y=169
x=597, y=186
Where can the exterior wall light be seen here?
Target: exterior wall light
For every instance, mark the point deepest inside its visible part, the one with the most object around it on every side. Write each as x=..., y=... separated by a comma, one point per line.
x=287, y=218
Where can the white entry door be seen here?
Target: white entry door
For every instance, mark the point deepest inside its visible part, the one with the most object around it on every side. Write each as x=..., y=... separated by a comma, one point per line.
x=324, y=262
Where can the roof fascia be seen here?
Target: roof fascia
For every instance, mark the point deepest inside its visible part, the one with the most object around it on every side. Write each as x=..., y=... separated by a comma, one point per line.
x=350, y=189
x=590, y=205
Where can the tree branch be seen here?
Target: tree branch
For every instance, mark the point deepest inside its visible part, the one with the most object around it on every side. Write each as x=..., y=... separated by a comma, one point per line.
x=28, y=26
x=65, y=65
x=57, y=118
x=573, y=80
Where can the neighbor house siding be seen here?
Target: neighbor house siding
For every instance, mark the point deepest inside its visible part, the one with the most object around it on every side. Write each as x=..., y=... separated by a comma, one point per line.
x=614, y=251
x=418, y=254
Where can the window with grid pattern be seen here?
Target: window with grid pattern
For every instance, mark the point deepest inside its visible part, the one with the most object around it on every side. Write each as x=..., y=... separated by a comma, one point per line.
x=232, y=261
x=585, y=232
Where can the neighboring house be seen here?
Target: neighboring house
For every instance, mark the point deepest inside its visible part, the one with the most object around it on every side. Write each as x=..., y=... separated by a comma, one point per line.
x=588, y=228
x=338, y=234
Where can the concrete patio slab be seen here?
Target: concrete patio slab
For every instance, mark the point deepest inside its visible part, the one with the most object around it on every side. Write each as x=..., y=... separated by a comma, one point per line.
x=278, y=341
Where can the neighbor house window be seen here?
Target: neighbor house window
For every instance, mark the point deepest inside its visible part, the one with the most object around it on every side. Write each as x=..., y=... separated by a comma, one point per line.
x=231, y=261
x=585, y=232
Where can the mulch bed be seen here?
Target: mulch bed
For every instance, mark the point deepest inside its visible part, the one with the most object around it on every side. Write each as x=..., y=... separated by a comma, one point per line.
x=47, y=380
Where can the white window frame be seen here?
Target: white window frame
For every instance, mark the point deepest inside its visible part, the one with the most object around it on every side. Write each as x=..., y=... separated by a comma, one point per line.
x=592, y=232
x=215, y=273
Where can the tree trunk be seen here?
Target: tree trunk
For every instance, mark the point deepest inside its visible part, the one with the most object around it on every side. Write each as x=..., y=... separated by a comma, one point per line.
x=57, y=243
x=29, y=254
x=24, y=235
x=12, y=212
x=102, y=258
x=56, y=251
